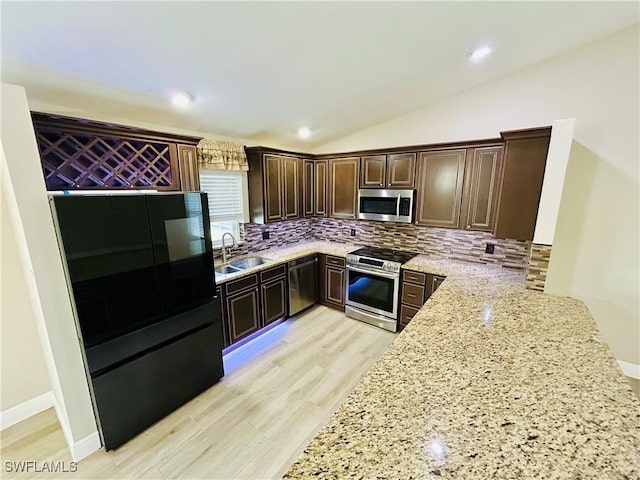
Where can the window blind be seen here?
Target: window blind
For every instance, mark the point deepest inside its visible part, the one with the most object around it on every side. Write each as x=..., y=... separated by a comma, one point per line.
x=224, y=192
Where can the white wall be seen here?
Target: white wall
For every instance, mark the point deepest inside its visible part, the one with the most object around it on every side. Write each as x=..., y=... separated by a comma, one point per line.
x=46, y=269
x=553, y=183
x=595, y=253
x=23, y=371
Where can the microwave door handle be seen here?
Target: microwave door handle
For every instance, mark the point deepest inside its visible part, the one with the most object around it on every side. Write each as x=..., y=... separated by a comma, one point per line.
x=398, y=206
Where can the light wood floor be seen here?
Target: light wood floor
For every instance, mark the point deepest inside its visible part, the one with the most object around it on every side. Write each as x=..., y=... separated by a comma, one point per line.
x=278, y=391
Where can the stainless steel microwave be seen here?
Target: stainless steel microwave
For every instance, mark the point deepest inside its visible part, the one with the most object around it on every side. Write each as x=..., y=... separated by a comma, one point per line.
x=386, y=205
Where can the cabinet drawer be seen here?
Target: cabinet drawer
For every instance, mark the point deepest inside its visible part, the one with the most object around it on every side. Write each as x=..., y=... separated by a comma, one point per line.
x=407, y=313
x=436, y=281
x=274, y=272
x=412, y=294
x=335, y=261
x=414, y=277
x=242, y=283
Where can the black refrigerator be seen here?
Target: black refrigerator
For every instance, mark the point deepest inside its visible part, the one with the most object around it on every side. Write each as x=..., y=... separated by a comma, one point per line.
x=140, y=269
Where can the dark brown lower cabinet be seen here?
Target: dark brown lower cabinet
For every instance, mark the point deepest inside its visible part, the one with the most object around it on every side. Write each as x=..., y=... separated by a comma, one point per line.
x=254, y=301
x=436, y=281
x=332, y=281
x=413, y=294
x=242, y=313
x=417, y=287
x=273, y=296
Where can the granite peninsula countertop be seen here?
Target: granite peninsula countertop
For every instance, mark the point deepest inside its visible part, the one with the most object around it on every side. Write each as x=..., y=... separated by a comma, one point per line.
x=488, y=381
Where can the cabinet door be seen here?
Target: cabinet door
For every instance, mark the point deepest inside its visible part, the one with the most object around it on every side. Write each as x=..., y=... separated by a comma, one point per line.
x=343, y=186
x=272, y=188
x=436, y=281
x=525, y=158
x=407, y=312
x=308, y=185
x=401, y=170
x=274, y=300
x=188, y=167
x=320, y=190
x=322, y=277
x=291, y=187
x=373, y=171
x=481, y=191
x=242, y=314
x=335, y=286
x=440, y=181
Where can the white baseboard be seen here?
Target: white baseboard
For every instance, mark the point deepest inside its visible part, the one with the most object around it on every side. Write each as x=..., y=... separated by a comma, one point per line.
x=630, y=369
x=85, y=447
x=25, y=410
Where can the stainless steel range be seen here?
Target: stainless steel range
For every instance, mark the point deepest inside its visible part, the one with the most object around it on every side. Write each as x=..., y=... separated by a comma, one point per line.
x=373, y=282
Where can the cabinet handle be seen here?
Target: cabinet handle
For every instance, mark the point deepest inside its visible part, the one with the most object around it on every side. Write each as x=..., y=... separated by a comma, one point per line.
x=411, y=295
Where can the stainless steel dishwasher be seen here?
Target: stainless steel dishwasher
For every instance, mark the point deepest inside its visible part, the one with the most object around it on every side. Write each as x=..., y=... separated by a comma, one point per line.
x=303, y=283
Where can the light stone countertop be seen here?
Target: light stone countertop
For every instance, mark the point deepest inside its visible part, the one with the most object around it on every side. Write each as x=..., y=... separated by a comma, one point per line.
x=287, y=253
x=488, y=381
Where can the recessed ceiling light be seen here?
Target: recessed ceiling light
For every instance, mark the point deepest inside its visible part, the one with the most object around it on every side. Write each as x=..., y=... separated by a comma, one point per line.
x=304, y=132
x=480, y=53
x=181, y=99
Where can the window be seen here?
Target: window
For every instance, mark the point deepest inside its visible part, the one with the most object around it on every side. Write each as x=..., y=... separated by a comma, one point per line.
x=227, y=199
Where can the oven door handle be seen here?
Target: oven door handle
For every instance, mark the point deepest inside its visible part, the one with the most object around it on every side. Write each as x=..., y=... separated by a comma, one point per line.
x=374, y=272
x=398, y=206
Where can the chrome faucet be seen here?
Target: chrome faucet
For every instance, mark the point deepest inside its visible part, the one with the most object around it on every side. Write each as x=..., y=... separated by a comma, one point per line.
x=224, y=251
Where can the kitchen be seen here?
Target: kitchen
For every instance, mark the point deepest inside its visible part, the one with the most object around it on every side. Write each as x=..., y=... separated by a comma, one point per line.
x=571, y=218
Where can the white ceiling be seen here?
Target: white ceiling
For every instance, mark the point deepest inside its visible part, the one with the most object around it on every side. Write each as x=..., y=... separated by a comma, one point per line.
x=260, y=70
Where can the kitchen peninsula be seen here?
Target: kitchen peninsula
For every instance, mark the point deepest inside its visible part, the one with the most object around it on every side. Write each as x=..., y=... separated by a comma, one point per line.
x=489, y=380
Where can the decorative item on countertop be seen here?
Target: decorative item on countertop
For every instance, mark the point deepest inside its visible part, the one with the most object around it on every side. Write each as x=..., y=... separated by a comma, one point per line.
x=221, y=155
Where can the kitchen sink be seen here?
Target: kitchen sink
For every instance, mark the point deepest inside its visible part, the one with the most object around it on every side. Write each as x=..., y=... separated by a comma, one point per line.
x=240, y=265
x=227, y=269
x=249, y=262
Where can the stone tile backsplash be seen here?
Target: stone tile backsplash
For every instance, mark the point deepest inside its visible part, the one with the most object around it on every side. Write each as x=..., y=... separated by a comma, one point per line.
x=445, y=242
x=449, y=243
x=537, y=266
x=280, y=233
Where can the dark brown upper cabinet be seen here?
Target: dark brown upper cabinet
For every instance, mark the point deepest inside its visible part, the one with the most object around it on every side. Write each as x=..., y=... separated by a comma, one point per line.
x=291, y=187
x=82, y=154
x=401, y=170
x=388, y=171
x=320, y=188
x=525, y=158
x=308, y=187
x=481, y=188
x=314, y=188
x=274, y=186
x=440, y=181
x=343, y=187
x=188, y=166
x=373, y=171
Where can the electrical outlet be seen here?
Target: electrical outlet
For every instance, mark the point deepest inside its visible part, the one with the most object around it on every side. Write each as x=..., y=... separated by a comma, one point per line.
x=353, y=232
x=489, y=248
x=265, y=234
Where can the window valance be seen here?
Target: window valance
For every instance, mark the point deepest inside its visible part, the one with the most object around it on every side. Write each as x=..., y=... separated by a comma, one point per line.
x=221, y=155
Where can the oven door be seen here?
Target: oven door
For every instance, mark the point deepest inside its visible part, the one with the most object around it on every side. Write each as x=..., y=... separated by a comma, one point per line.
x=373, y=291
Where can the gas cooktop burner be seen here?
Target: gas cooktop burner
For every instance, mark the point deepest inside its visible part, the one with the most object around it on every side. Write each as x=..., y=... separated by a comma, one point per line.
x=385, y=254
